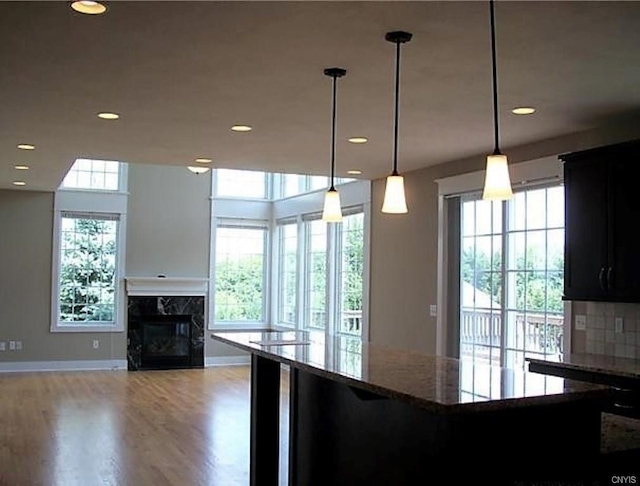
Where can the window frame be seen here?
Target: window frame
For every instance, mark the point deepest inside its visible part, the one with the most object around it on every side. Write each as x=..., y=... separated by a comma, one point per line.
x=239, y=224
x=340, y=248
x=277, y=281
x=99, y=203
x=305, y=276
x=123, y=172
x=547, y=170
x=267, y=180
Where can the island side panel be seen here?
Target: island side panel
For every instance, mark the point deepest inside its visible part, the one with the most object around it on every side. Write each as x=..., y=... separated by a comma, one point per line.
x=345, y=435
x=265, y=421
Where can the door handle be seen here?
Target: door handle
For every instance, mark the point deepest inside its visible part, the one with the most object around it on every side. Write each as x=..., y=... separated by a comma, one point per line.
x=601, y=278
x=609, y=277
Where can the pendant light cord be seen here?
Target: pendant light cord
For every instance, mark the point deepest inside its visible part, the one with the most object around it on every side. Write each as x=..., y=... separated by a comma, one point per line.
x=396, y=120
x=496, y=148
x=333, y=133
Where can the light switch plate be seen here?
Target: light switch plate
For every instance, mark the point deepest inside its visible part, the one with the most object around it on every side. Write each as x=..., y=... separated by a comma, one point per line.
x=18, y=345
x=433, y=310
x=3, y=346
x=619, y=324
x=581, y=322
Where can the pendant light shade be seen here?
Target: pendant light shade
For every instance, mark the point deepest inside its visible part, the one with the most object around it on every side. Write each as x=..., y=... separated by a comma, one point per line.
x=394, y=196
x=497, y=183
x=332, y=212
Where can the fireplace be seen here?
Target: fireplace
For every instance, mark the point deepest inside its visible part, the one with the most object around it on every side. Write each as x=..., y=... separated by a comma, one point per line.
x=165, y=323
x=165, y=342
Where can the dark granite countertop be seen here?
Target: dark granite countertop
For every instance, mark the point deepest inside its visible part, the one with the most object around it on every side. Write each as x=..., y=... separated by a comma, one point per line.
x=596, y=363
x=443, y=385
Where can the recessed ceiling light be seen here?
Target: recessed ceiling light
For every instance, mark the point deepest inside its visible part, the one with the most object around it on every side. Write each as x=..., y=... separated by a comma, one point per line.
x=196, y=169
x=523, y=110
x=358, y=140
x=108, y=116
x=21, y=167
x=354, y=172
x=203, y=160
x=88, y=7
x=19, y=183
x=26, y=146
x=241, y=128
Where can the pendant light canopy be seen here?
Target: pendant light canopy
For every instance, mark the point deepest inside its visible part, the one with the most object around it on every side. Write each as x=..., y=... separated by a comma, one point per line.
x=394, y=197
x=497, y=183
x=332, y=211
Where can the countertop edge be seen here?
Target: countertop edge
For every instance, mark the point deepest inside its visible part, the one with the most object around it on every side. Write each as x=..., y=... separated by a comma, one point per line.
x=595, y=394
x=591, y=368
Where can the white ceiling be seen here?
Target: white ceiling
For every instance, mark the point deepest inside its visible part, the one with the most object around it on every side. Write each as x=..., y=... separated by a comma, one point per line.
x=181, y=73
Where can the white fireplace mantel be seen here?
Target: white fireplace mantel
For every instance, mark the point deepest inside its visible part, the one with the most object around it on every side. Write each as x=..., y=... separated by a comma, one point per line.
x=166, y=286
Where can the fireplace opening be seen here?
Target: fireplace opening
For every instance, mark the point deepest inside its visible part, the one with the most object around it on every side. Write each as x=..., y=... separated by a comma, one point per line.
x=166, y=342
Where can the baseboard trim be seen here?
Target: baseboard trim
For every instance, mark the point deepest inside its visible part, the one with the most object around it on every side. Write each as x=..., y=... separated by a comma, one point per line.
x=79, y=365
x=210, y=361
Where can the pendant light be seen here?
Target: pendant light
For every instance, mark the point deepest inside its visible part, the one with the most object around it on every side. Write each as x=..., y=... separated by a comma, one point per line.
x=497, y=183
x=332, y=211
x=394, y=197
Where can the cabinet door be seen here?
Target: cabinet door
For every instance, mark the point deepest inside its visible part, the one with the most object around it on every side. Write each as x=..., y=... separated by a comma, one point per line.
x=624, y=222
x=585, y=229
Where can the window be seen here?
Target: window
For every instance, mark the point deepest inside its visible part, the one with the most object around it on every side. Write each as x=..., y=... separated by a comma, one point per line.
x=301, y=266
x=240, y=273
x=511, y=263
x=88, y=264
x=351, y=273
x=292, y=185
x=87, y=277
x=315, y=274
x=318, y=182
x=241, y=184
x=97, y=175
x=330, y=287
x=288, y=274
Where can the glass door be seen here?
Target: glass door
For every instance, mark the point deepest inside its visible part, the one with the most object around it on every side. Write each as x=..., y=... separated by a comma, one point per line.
x=511, y=277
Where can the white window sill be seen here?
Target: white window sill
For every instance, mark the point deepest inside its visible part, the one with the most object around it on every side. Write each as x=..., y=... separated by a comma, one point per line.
x=233, y=326
x=86, y=328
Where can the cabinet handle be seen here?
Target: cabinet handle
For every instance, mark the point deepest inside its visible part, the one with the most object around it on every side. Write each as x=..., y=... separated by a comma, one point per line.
x=601, y=277
x=609, y=277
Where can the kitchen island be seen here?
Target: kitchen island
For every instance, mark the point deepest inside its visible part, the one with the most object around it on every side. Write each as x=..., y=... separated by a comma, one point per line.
x=362, y=414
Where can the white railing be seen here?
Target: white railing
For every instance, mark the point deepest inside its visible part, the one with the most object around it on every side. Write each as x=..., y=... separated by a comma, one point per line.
x=350, y=322
x=540, y=333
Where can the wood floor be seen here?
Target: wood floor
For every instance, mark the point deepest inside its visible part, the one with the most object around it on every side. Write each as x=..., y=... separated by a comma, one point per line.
x=149, y=428
x=119, y=428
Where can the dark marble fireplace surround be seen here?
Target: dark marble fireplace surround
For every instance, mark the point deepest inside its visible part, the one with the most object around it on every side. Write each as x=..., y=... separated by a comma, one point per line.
x=142, y=309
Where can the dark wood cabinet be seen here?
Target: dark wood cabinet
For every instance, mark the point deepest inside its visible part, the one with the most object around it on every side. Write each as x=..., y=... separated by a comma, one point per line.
x=602, y=219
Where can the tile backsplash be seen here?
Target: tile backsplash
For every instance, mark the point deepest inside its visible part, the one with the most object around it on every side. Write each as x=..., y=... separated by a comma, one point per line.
x=611, y=329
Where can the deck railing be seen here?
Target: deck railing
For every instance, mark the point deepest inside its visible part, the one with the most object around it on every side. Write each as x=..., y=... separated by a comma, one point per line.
x=540, y=333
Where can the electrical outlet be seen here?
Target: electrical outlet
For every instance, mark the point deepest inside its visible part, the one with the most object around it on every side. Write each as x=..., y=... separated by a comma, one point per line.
x=18, y=345
x=433, y=310
x=96, y=344
x=12, y=345
x=3, y=346
x=581, y=322
x=619, y=323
